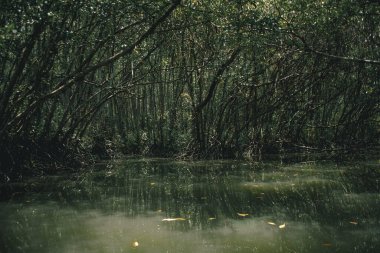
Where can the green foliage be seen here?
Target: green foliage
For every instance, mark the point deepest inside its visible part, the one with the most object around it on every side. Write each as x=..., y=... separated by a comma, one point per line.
x=215, y=78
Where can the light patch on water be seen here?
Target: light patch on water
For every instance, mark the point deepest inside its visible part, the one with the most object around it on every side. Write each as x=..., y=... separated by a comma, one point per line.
x=117, y=233
x=289, y=184
x=69, y=231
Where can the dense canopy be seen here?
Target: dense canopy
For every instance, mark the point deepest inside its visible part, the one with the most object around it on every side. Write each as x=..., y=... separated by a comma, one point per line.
x=216, y=78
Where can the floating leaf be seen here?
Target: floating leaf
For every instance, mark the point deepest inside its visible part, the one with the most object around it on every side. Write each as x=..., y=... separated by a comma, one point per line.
x=271, y=223
x=242, y=214
x=169, y=219
x=173, y=219
x=282, y=226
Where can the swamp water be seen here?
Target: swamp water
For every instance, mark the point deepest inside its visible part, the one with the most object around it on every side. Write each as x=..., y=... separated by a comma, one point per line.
x=156, y=205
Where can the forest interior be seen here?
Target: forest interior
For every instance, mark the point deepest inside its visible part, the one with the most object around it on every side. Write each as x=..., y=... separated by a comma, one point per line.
x=192, y=79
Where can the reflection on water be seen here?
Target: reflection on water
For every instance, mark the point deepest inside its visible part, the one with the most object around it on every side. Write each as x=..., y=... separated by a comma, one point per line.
x=214, y=206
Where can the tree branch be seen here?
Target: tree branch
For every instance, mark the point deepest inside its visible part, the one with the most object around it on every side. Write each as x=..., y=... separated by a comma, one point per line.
x=216, y=79
x=307, y=48
x=69, y=81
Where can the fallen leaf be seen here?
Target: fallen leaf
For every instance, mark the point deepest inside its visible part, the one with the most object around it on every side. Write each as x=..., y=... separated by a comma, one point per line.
x=271, y=223
x=282, y=226
x=242, y=214
x=173, y=219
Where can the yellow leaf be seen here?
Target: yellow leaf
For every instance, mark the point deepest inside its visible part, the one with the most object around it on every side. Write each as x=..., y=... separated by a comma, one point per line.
x=173, y=219
x=271, y=223
x=242, y=214
x=282, y=226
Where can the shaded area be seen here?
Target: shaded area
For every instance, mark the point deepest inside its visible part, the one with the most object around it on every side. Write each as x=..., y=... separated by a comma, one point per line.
x=202, y=79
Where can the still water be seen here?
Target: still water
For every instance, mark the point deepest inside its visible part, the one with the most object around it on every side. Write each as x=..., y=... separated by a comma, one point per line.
x=158, y=205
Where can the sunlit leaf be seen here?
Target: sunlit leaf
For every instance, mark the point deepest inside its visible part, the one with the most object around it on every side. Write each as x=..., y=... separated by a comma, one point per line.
x=173, y=219
x=271, y=223
x=169, y=219
x=242, y=214
x=282, y=226
x=212, y=218
x=135, y=244
x=354, y=222
x=153, y=183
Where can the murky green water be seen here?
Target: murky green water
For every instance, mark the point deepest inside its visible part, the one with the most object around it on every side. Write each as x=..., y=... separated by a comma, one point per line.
x=215, y=206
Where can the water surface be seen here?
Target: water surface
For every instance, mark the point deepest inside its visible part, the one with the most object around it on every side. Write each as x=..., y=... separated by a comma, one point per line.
x=158, y=205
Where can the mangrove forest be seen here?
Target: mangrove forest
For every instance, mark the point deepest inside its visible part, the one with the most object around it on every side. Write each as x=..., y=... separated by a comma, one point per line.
x=189, y=126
